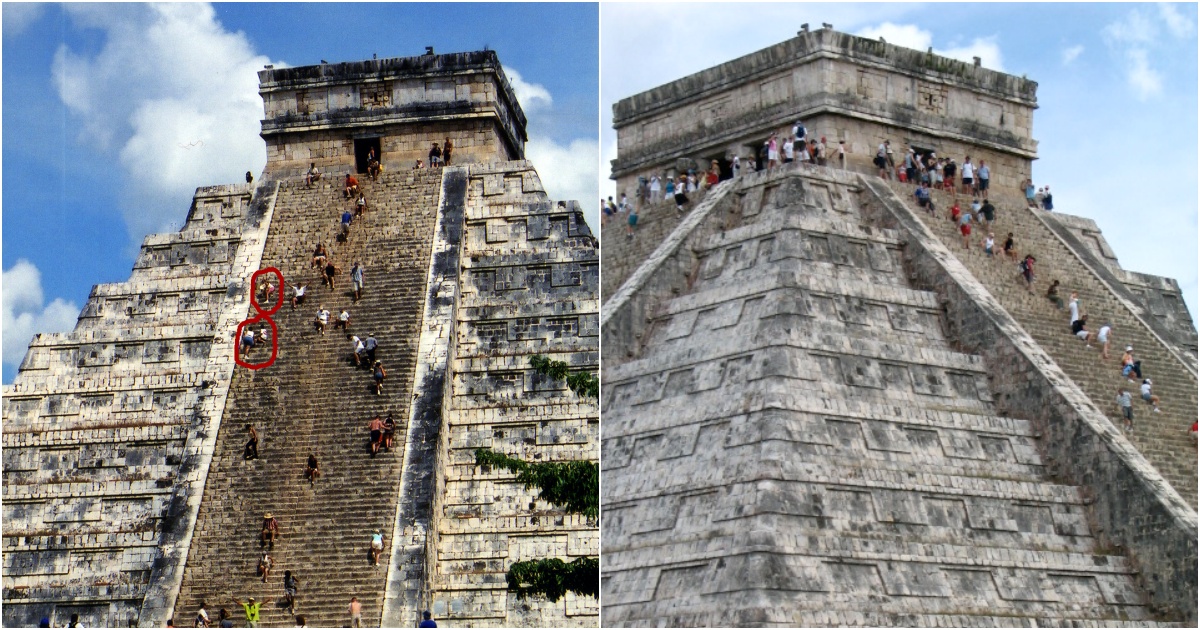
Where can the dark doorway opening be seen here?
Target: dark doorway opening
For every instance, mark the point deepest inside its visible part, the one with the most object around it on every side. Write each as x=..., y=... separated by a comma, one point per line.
x=362, y=152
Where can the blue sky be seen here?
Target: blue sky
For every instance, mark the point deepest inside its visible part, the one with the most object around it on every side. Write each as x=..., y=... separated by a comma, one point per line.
x=114, y=114
x=1117, y=86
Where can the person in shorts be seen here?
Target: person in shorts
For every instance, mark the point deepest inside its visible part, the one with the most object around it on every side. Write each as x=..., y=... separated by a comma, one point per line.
x=389, y=432
x=356, y=278
x=298, y=295
x=322, y=321
x=1103, y=337
x=1079, y=329
x=290, y=583
x=376, y=546
x=378, y=373
x=1010, y=250
x=1125, y=403
x=247, y=342
x=964, y=226
x=1027, y=271
x=1148, y=395
x=331, y=271
x=376, y=428
x=270, y=531
x=312, y=469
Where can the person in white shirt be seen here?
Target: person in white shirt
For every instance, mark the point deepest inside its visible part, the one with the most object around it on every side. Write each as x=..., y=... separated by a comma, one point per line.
x=655, y=188
x=1103, y=337
x=1149, y=396
x=1074, y=306
x=789, y=151
x=322, y=319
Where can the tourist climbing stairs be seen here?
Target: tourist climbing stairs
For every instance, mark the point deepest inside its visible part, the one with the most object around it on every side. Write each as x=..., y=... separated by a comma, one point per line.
x=312, y=399
x=1162, y=437
x=801, y=444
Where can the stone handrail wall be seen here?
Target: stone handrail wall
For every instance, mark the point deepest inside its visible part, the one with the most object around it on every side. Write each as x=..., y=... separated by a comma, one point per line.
x=623, y=316
x=1175, y=342
x=1132, y=507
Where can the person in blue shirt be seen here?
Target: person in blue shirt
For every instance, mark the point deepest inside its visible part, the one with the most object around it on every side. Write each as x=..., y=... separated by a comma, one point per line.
x=346, y=219
x=923, y=198
x=427, y=620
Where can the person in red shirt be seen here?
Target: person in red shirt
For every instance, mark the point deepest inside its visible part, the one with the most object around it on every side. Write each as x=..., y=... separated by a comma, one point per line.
x=351, y=185
x=713, y=176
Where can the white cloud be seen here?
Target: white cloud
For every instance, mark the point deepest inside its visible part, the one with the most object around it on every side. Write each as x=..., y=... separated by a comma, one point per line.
x=569, y=173
x=173, y=94
x=1145, y=81
x=531, y=96
x=1177, y=23
x=19, y=15
x=1137, y=38
x=912, y=36
x=906, y=35
x=1071, y=54
x=23, y=313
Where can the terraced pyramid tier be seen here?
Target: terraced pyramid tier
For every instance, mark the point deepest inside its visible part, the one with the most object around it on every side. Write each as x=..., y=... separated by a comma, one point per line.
x=801, y=442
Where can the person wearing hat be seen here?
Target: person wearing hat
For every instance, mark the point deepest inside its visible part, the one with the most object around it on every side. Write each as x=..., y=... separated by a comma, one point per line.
x=1129, y=366
x=270, y=530
x=376, y=546
x=251, y=607
x=370, y=345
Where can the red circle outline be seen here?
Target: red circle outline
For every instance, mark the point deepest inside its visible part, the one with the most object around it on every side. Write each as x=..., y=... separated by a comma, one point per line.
x=262, y=315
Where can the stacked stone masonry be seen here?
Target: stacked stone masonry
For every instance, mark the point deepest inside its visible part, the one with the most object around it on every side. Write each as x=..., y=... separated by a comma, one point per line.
x=107, y=428
x=529, y=286
x=315, y=114
x=845, y=88
x=792, y=438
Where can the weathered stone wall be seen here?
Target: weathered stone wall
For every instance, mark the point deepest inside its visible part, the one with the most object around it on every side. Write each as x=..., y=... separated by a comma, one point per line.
x=419, y=99
x=1130, y=505
x=401, y=145
x=1159, y=298
x=529, y=285
x=109, y=429
x=863, y=86
x=862, y=137
x=801, y=442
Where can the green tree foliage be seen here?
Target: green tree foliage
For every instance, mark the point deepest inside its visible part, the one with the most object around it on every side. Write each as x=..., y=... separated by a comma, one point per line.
x=553, y=577
x=573, y=486
x=582, y=383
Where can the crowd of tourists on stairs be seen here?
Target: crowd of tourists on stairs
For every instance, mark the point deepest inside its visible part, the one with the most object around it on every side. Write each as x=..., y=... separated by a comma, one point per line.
x=983, y=213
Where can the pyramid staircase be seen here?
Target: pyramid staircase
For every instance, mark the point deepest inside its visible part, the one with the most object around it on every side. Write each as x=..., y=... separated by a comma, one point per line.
x=1162, y=437
x=313, y=399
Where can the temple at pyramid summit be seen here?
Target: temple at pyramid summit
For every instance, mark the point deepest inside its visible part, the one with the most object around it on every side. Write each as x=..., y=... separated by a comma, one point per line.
x=132, y=493
x=821, y=410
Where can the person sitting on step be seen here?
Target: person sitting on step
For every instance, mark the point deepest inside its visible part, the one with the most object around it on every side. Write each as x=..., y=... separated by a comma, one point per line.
x=298, y=295
x=360, y=206
x=1149, y=396
x=313, y=175
x=1079, y=329
x=351, y=186
x=1130, y=367
x=322, y=320
x=270, y=530
x=312, y=470
x=319, y=256
x=264, y=566
x=1052, y=295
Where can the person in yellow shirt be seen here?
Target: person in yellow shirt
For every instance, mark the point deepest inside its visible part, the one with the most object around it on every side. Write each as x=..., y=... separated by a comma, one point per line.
x=251, y=607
